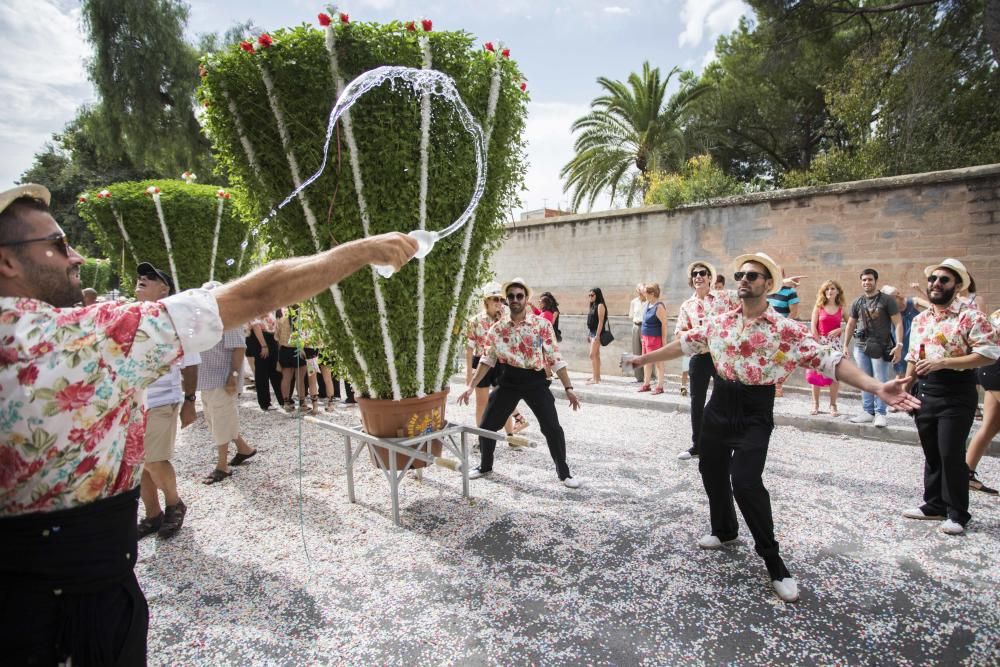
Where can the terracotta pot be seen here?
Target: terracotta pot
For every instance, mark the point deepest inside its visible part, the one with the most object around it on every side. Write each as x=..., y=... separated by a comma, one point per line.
x=403, y=419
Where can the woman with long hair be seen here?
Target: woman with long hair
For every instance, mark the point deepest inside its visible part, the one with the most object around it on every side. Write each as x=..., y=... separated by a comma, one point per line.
x=827, y=326
x=596, y=318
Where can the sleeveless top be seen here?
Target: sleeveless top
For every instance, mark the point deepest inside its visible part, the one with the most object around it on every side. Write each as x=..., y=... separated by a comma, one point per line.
x=651, y=325
x=826, y=322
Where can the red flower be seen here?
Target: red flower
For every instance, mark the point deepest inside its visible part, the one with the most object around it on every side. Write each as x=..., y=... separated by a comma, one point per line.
x=489, y=47
x=202, y=72
x=86, y=465
x=265, y=40
x=246, y=46
x=324, y=19
x=123, y=329
x=27, y=375
x=345, y=18
x=427, y=24
x=75, y=396
x=83, y=199
x=524, y=87
x=410, y=26
x=134, y=442
x=505, y=53
x=77, y=435
x=206, y=104
x=41, y=349
x=10, y=465
x=746, y=349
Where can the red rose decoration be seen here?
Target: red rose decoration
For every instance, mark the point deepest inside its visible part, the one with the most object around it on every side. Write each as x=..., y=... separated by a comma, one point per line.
x=202, y=72
x=75, y=396
x=505, y=53
x=524, y=87
x=427, y=24
x=345, y=18
x=27, y=375
x=83, y=199
x=489, y=47
x=86, y=465
x=410, y=26
x=265, y=41
x=246, y=46
x=324, y=19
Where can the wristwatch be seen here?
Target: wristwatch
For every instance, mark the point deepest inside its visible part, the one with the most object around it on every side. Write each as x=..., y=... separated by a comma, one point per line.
x=190, y=397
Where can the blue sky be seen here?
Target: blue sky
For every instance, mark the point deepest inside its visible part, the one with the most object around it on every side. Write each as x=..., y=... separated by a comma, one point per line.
x=562, y=46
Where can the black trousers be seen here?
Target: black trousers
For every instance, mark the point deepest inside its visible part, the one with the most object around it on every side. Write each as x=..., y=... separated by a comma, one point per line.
x=266, y=373
x=701, y=370
x=948, y=402
x=67, y=587
x=735, y=435
x=532, y=387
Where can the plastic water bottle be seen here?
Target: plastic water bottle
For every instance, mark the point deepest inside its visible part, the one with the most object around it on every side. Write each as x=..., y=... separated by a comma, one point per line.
x=627, y=363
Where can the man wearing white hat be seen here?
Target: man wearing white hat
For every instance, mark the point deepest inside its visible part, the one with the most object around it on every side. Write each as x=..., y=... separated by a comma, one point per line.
x=753, y=349
x=947, y=341
x=71, y=441
x=524, y=347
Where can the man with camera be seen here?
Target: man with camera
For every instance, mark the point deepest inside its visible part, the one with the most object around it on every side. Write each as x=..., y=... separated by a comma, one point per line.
x=872, y=319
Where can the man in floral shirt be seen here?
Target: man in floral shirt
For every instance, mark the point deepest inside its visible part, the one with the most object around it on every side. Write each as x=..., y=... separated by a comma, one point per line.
x=753, y=349
x=947, y=341
x=524, y=346
x=73, y=381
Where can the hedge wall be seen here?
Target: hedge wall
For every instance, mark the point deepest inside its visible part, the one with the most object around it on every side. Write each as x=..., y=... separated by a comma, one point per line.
x=190, y=212
x=96, y=273
x=386, y=126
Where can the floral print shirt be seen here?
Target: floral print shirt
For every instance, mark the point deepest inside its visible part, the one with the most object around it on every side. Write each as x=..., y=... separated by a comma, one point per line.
x=73, y=383
x=694, y=310
x=955, y=332
x=761, y=351
x=529, y=344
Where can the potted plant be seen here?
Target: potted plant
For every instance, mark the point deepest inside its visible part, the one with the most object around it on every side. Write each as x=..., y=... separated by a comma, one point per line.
x=397, y=160
x=194, y=232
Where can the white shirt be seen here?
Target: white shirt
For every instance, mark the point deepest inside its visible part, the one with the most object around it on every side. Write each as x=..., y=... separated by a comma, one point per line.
x=168, y=389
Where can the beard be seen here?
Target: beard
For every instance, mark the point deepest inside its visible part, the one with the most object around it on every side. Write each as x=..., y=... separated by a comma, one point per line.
x=943, y=297
x=55, y=286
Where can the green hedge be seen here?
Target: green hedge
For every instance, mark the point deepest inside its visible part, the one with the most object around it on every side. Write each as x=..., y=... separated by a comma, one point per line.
x=386, y=125
x=96, y=273
x=190, y=213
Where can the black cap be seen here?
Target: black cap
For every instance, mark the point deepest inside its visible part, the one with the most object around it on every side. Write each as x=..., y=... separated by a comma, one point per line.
x=147, y=269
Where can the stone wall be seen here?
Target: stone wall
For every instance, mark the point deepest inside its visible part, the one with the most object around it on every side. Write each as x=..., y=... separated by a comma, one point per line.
x=896, y=225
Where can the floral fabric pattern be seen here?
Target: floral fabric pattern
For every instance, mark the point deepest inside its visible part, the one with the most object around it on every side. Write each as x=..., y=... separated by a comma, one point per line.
x=761, y=351
x=695, y=310
x=475, y=333
x=73, y=382
x=954, y=332
x=529, y=344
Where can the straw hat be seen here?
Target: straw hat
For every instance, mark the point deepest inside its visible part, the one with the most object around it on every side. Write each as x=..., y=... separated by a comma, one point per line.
x=490, y=290
x=515, y=281
x=764, y=260
x=952, y=265
x=711, y=270
x=27, y=190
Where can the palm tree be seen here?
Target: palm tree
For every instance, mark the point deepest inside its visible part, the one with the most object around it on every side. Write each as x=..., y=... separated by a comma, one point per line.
x=629, y=132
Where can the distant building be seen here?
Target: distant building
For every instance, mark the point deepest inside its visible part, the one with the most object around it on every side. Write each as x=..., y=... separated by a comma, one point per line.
x=544, y=213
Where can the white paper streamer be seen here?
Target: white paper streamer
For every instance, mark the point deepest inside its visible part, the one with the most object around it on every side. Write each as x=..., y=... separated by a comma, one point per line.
x=425, y=131
x=215, y=239
x=121, y=228
x=166, y=241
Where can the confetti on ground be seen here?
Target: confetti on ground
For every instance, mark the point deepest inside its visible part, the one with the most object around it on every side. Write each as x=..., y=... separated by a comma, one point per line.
x=530, y=572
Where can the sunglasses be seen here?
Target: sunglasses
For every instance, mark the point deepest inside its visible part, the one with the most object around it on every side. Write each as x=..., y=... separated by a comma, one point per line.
x=494, y=299
x=699, y=273
x=57, y=238
x=518, y=296
x=941, y=280
x=751, y=276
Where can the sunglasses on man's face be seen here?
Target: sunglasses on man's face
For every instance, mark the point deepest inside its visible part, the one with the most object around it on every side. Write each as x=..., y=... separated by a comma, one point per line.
x=751, y=276
x=58, y=239
x=941, y=280
x=699, y=273
x=516, y=296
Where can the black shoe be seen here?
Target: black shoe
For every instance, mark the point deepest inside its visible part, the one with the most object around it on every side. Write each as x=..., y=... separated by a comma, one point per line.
x=976, y=485
x=149, y=526
x=173, y=519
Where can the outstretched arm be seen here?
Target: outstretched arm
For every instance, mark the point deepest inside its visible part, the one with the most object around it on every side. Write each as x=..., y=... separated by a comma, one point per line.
x=893, y=392
x=671, y=350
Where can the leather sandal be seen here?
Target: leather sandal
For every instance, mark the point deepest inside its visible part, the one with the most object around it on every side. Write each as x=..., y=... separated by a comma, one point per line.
x=240, y=458
x=216, y=476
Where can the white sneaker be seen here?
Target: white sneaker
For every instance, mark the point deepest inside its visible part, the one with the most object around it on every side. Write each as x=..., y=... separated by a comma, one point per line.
x=476, y=473
x=917, y=513
x=879, y=421
x=572, y=483
x=863, y=418
x=713, y=543
x=684, y=456
x=786, y=589
x=950, y=527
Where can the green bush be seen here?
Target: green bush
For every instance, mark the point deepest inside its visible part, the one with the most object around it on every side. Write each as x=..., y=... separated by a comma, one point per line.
x=700, y=181
x=96, y=273
x=190, y=212
x=386, y=127
x=838, y=166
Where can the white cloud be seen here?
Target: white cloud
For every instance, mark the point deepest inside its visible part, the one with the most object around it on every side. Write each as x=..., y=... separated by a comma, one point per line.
x=42, y=78
x=717, y=16
x=615, y=9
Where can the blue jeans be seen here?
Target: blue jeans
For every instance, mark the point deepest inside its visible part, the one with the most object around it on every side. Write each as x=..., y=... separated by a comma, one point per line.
x=876, y=368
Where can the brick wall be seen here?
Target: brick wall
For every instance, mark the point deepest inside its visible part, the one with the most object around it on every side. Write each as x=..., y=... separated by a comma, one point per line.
x=896, y=225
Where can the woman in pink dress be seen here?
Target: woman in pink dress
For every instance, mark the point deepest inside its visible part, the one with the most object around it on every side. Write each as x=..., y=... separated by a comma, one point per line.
x=827, y=327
